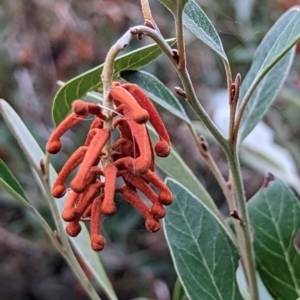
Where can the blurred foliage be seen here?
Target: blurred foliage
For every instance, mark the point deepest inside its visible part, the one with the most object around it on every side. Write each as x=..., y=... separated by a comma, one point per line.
x=44, y=41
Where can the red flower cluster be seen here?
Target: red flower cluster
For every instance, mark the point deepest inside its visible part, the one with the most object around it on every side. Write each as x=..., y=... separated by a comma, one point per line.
x=130, y=157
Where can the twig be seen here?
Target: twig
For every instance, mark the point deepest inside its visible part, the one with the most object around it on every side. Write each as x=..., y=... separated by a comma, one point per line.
x=180, y=38
x=206, y=155
x=244, y=237
x=210, y=162
x=149, y=21
x=107, y=79
x=234, y=97
x=246, y=99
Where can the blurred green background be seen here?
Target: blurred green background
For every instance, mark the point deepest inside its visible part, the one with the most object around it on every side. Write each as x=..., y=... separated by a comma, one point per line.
x=44, y=41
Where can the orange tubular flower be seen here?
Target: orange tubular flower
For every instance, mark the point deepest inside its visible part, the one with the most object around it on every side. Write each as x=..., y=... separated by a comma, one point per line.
x=157, y=209
x=69, y=213
x=162, y=147
x=136, y=112
x=94, y=151
x=100, y=163
x=54, y=144
x=135, y=200
x=59, y=187
x=143, y=162
x=97, y=240
x=108, y=205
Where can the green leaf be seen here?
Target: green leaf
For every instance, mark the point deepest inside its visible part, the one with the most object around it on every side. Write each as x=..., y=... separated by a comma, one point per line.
x=204, y=255
x=77, y=87
x=198, y=23
x=9, y=183
x=174, y=5
x=271, y=64
x=274, y=213
x=34, y=154
x=157, y=91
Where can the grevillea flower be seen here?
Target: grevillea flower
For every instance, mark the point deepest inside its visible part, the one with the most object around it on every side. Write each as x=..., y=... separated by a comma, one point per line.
x=101, y=162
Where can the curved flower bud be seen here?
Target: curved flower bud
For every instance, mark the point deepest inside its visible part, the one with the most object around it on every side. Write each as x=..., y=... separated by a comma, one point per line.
x=134, y=199
x=162, y=147
x=108, y=205
x=97, y=241
x=78, y=184
x=54, y=144
x=157, y=209
x=137, y=113
x=165, y=196
x=59, y=187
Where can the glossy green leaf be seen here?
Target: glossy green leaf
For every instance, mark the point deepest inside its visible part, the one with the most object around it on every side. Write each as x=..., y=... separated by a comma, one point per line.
x=77, y=87
x=204, y=255
x=10, y=183
x=198, y=23
x=34, y=154
x=174, y=5
x=274, y=213
x=157, y=91
x=271, y=64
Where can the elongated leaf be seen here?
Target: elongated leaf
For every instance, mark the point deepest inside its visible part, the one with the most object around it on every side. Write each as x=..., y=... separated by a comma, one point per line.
x=34, y=154
x=204, y=255
x=274, y=214
x=77, y=87
x=271, y=64
x=157, y=91
x=10, y=183
x=198, y=23
x=174, y=5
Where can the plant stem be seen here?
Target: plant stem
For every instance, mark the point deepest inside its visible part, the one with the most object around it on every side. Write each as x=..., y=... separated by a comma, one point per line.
x=210, y=162
x=246, y=247
x=180, y=40
x=149, y=21
x=206, y=155
x=234, y=98
x=245, y=101
x=107, y=79
x=229, y=89
x=146, y=10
